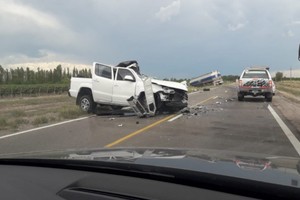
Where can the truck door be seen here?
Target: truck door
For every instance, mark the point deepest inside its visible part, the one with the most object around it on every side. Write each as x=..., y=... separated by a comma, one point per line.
x=102, y=83
x=124, y=86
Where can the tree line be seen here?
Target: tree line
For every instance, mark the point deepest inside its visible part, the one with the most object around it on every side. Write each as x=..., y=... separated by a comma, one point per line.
x=279, y=77
x=22, y=75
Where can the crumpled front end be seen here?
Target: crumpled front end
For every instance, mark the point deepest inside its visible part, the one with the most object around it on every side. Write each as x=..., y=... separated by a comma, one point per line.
x=170, y=98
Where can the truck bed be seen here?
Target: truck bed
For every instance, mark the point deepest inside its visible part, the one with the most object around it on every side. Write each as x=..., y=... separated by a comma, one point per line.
x=77, y=83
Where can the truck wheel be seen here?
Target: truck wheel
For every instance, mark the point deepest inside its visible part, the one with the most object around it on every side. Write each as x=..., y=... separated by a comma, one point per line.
x=158, y=102
x=86, y=103
x=269, y=97
x=240, y=97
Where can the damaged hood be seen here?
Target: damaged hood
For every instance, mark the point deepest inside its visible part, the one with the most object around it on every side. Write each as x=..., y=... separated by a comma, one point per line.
x=171, y=84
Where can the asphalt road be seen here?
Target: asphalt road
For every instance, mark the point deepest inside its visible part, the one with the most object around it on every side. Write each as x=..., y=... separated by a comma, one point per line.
x=216, y=121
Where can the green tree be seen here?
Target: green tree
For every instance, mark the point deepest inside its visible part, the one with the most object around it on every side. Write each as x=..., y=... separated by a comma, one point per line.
x=2, y=74
x=278, y=76
x=57, y=74
x=50, y=79
x=7, y=76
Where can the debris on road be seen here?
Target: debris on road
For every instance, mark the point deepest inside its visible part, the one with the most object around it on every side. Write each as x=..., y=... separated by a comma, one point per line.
x=200, y=110
x=112, y=118
x=185, y=110
x=120, y=125
x=229, y=100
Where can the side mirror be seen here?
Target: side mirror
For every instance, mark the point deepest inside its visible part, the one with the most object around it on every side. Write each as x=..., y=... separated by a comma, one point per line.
x=129, y=78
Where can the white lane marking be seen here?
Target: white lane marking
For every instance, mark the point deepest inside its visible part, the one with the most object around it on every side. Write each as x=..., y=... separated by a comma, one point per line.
x=286, y=130
x=174, y=118
x=195, y=92
x=43, y=127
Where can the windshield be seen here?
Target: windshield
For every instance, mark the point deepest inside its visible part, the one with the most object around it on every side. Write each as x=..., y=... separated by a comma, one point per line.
x=56, y=97
x=255, y=74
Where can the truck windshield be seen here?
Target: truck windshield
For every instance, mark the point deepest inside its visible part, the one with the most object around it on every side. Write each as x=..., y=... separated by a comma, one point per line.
x=255, y=74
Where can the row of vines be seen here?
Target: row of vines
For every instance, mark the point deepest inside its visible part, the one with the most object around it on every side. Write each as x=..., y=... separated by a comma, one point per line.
x=32, y=90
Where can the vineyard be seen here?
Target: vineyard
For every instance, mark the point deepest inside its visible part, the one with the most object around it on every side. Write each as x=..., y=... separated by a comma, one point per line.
x=22, y=90
x=25, y=82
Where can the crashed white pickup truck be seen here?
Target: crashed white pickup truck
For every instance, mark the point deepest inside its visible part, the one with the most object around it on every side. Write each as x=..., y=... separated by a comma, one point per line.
x=122, y=86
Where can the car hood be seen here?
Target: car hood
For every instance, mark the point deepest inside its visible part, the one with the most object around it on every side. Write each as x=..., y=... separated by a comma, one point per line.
x=171, y=84
x=263, y=168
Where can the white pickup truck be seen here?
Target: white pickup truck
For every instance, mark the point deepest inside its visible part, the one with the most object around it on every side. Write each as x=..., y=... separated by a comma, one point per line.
x=117, y=85
x=256, y=81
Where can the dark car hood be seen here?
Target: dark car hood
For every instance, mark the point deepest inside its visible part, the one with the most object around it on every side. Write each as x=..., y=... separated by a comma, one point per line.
x=263, y=168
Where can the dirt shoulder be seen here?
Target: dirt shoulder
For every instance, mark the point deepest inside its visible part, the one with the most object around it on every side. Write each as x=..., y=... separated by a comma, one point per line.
x=289, y=107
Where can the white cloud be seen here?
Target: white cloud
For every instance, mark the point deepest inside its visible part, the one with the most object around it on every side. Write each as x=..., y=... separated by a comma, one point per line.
x=166, y=13
x=43, y=56
x=295, y=23
x=100, y=30
x=48, y=65
x=236, y=27
x=10, y=9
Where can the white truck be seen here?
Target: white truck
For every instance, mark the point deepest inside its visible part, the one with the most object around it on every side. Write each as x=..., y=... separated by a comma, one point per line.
x=122, y=86
x=213, y=77
x=256, y=81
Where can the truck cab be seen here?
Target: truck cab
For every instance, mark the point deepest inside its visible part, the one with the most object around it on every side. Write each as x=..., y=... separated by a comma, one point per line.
x=114, y=85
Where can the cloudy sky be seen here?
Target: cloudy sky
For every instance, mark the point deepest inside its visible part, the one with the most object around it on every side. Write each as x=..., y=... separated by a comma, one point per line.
x=169, y=38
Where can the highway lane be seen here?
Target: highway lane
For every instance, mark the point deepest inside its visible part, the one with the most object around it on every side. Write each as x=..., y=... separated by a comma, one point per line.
x=220, y=122
x=223, y=124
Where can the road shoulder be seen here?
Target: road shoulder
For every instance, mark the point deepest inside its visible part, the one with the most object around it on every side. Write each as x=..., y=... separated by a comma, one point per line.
x=290, y=109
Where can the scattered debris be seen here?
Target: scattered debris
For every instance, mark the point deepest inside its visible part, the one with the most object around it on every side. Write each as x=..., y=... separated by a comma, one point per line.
x=185, y=110
x=229, y=100
x=120, y=125
x=218, y=102
x=206, y=89
x=137, y=122
x=112, y=118
x=199, y=110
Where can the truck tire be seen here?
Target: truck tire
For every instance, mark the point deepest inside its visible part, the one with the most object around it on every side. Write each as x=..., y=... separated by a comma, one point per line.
x=158, y=102
x=86, y=104
x=240, y=97
x=269, y=97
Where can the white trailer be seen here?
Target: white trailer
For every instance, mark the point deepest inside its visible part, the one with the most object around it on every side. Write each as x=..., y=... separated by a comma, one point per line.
x=214, y=78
